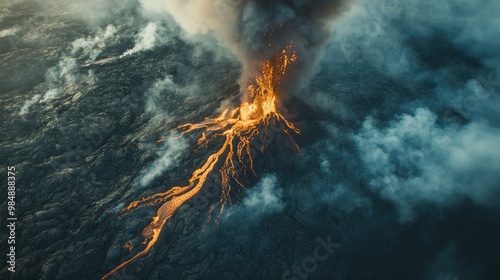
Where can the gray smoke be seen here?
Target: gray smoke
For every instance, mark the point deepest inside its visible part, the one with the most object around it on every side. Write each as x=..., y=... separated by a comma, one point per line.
x=255, y=30
x=421, y=103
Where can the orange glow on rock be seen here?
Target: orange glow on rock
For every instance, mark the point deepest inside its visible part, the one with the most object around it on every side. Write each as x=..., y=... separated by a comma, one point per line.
x=237, y=127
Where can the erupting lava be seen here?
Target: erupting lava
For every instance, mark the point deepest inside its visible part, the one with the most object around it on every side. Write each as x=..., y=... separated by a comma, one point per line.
x=237, y=127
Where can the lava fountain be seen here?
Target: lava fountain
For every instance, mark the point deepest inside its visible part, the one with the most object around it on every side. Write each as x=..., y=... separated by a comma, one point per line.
x=238, y=127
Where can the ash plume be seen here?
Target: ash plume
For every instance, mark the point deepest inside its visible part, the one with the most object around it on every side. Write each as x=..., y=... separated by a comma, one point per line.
x=255, y=30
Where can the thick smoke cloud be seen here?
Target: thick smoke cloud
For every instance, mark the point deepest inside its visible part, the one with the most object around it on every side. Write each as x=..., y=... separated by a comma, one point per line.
x=414, y=161
x=417, y=84
x=257, y=30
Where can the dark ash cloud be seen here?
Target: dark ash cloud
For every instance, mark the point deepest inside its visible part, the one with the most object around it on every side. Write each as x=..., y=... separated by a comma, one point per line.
x=256, y=30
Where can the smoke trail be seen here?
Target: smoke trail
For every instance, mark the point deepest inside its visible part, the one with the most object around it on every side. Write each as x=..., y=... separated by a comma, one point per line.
x=255, y=30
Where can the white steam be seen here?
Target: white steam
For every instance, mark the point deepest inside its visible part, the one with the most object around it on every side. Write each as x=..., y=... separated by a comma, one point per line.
x=8, y=32
x=92, y=47
x=64, y=77
x=263, y=199
x=147, y=39
x=169, y=155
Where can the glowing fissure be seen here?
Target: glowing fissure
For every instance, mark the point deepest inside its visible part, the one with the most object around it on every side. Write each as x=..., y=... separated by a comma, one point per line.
x=238, y=127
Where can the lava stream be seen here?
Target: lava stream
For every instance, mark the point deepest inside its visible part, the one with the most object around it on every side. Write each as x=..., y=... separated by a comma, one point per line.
x=237, y=127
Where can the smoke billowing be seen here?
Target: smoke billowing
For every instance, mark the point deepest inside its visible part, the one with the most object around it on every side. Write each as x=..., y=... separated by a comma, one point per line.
x=255, y=30
x=399, y=137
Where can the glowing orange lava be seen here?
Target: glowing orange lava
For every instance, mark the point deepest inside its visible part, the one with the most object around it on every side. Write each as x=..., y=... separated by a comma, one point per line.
x=237, y=127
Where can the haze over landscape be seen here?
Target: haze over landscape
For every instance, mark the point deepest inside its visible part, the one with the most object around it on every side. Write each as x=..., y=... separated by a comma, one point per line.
x=249, y=139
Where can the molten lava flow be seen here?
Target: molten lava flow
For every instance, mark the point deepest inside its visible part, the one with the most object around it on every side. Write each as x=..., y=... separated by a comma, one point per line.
x=237, y=127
